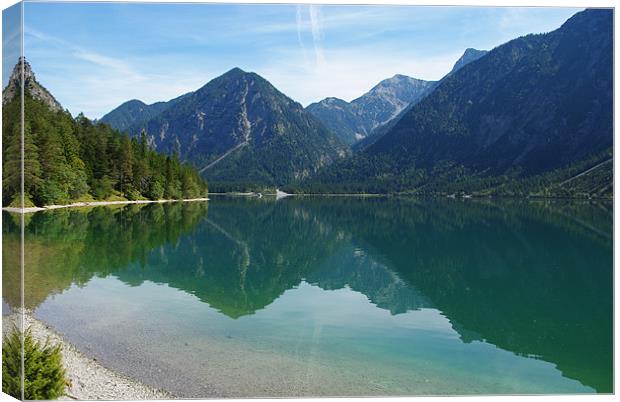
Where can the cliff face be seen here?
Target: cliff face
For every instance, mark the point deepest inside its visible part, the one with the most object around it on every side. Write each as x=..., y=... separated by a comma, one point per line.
x=354, y=121
x=36, y=90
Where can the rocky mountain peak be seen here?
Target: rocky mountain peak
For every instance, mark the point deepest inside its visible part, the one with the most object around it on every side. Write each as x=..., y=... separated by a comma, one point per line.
x=36, y=90
x=470, y=51
x=333, y=102
x=400, y=78
x=27, y=69
x=399, y=86
x=234, y=71
x=470, y=54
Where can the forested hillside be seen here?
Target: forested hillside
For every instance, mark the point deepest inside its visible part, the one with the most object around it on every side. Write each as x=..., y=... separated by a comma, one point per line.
x=136, y=112
x=242, y=134
x=531, y=117
x=68, y=159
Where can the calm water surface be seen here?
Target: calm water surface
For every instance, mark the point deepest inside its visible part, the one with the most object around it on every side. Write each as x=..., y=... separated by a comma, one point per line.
x=302, y=297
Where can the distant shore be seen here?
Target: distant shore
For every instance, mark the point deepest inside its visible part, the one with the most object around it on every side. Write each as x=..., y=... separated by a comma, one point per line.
x=284, y=195
x=94, y=204
x=86, y=378
x=409, y=195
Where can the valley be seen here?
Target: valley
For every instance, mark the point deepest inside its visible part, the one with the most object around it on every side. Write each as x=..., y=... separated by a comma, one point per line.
x=518, y=120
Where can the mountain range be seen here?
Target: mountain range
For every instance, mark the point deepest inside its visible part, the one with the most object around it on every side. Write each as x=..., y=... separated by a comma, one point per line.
x=468, y=56
x=264, y=138
x=367, y=115
x=355, y=120
x=537, y=105
x=238, y=129
x=540, y=104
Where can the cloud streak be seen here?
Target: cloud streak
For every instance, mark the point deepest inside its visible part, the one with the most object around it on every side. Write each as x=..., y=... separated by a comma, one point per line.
x=104, y=82
x=300, y=23
x=315, y=23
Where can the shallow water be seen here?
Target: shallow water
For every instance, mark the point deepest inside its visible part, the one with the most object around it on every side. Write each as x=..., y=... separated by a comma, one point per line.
x=316, y=296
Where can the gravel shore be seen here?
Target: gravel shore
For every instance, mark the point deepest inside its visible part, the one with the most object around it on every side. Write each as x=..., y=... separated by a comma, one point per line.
x=86, y=378
x=94, y=204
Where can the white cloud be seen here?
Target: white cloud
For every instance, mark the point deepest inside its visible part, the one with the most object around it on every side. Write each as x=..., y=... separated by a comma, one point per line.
x=315, y=22
x=110, y=63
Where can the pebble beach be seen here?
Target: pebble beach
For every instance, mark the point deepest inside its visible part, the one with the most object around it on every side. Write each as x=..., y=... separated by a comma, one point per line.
x=86, y=378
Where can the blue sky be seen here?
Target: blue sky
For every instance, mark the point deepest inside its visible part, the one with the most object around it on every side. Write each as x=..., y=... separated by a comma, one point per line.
x=11, y=40
x=94, y=56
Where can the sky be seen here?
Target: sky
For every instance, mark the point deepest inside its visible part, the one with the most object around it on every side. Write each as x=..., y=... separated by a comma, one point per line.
x=95, y=56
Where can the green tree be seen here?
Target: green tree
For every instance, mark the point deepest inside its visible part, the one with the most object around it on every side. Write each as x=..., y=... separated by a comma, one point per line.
x=44, y=375
x=66, y=158
x=125, y=163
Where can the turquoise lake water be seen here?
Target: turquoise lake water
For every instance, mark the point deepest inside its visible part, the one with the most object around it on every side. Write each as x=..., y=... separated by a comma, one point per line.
x=330, y=296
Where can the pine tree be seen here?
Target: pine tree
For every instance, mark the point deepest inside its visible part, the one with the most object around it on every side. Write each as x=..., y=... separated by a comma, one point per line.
x=126, y=168
x=66, y=158
x=44, y=373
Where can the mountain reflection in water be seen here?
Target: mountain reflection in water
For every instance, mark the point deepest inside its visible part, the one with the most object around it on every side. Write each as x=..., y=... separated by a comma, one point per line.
x=530, y=277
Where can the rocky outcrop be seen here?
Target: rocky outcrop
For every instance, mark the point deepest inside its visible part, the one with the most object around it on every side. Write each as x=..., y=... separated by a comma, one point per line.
x=355, y=120
x=23, y=70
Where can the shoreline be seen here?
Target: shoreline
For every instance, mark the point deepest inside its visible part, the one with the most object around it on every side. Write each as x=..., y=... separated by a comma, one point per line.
x=94, y=204
x=407, y=195
x=286, y=195
x=86, y=378
x=289, y=195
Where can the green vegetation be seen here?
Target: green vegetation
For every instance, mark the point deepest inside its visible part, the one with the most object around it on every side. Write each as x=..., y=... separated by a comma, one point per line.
x=59, y=244
x=525, y=119
x=68, y=159
x=269, y=141
x=588, y=178
x=44, y=375
x=473, y=259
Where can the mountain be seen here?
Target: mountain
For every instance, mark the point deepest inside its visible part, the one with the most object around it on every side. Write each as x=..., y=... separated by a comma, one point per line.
x=136, y=112
x=61, y=159
x=355, y=120
x=241, y=131
x=388, y=98
x=361, y=122
x=533, y=106
x=31, y=86
x=340, y=117
x=467, y=57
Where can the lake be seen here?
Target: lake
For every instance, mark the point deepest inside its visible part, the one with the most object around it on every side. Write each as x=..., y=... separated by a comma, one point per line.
x=329, y=296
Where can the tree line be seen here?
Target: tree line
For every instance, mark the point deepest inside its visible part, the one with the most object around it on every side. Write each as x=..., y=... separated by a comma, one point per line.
x=67, y=159
x=383, y=174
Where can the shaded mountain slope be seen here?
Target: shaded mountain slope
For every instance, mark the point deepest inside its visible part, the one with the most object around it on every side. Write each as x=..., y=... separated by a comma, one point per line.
x=354, y=121
x=534, y=105
x=136, y=112
x=241, y=131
